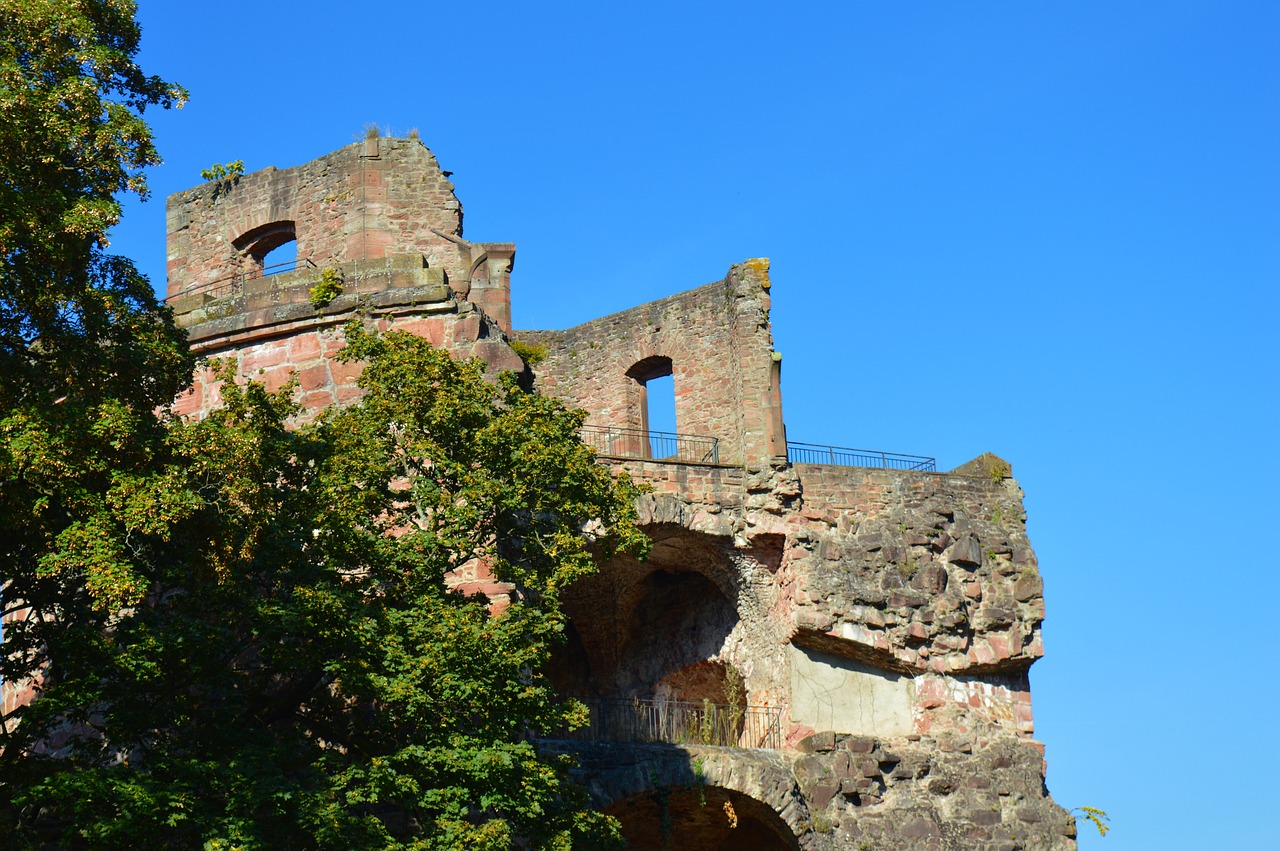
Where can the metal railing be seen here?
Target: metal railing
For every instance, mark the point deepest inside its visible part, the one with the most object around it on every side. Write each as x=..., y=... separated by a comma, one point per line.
x=681, y=723
x=233, y=284
x=652, y=445
x=813, y=453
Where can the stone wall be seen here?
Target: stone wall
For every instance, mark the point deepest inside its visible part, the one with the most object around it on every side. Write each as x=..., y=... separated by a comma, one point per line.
x=15, y=693
x=858, y=584
x=304, y=350
x=720, y=346
x=905, y=793
x=363, y=201
x=380, y=219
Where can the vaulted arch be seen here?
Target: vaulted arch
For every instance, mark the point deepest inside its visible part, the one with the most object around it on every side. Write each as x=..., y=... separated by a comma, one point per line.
x=701, y=818
x=254, y=245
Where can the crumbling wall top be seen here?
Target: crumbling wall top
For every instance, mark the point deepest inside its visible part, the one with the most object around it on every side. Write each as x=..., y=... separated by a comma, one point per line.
x=368, y=200
x=715, y=342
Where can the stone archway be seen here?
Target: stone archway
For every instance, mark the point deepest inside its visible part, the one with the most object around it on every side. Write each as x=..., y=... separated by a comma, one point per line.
x=760, y=786
x=701, y=818
x=657, y=629
x=678, y=622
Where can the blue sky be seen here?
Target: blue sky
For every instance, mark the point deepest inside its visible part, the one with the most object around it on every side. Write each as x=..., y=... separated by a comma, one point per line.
x=1045, y=230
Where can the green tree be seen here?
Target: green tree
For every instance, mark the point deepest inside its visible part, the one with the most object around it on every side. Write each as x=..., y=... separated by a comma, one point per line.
x=86, y=353
x=243, y=629
x=302, y=677
x=73, y=138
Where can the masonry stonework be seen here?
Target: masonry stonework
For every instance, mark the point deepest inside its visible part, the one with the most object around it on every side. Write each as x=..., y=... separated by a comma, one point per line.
x=882, y=621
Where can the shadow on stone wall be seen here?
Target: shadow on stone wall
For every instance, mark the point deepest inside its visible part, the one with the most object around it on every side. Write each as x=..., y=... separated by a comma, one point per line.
x=694, y=797
x=653, y=629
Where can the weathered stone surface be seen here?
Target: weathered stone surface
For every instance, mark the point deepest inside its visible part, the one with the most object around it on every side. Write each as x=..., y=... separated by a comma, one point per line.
x=818, y=743
x=899, y=812
x=966, y=552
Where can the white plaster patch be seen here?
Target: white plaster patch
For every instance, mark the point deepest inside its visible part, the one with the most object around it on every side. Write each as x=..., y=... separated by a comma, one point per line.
x=832, y=693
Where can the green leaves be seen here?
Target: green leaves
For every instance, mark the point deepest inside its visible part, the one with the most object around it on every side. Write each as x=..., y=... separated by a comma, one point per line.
x=298, y=672
x=242, y=632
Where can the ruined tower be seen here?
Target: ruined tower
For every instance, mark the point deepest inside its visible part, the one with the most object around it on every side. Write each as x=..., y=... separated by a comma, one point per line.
x=827, y=648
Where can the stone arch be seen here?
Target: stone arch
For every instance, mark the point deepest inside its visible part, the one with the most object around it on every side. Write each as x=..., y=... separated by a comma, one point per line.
x=256, y=243
x=650, y=367
x=692, y=623
x=635, y=626
x=477, y=269
x=701, y=818
x=677, y=623
x=759, y=784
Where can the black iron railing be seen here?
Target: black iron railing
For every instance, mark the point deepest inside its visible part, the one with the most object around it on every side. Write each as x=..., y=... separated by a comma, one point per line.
x=813, y=453
x=233, y=284
x=681, y=723
x=652, y=445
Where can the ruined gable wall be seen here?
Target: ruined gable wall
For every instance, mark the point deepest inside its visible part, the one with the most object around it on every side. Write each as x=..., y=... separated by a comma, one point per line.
x=379, y=215
x=364, y=201
x=721, y=349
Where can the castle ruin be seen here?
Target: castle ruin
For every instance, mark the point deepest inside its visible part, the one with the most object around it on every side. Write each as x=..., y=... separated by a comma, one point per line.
x=826, y=648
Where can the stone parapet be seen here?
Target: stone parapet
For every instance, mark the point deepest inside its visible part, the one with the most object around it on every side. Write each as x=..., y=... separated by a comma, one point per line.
x=241, y=310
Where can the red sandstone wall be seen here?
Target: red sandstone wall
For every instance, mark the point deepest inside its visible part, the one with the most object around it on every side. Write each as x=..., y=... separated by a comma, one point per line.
x=15, y=694
x=720, y=344
x=382, y=215
x=307, y=354
x=927, y=573
x=366, y=200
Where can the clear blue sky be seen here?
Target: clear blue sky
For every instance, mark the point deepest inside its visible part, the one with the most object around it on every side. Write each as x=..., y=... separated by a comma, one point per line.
x=1046, y=230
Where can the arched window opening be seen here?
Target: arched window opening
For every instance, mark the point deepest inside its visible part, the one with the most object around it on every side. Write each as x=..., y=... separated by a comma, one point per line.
x=269, y=249
x=660, y=393
x=657, y=402
x=282, y=258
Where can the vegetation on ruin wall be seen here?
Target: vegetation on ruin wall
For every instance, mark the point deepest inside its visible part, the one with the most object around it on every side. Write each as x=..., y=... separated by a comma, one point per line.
x=244, y=630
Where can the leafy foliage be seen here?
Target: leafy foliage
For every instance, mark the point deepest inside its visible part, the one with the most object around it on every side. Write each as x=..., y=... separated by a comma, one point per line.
x=326, y=289
x=86, y=353
x=218, y=171
x=531, y=353
x=301, y=676
x=1099, y=818
x=72, y=138
x=77, y=443
x=242, y=631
